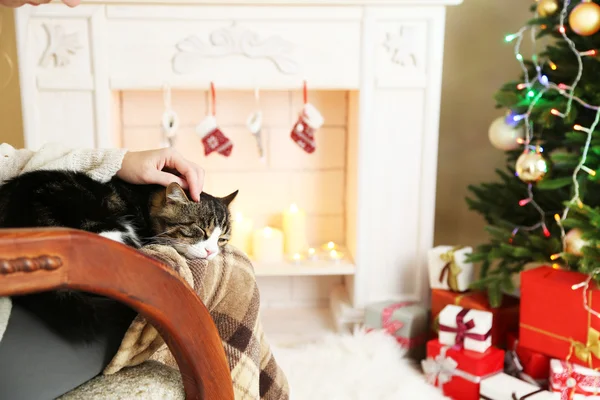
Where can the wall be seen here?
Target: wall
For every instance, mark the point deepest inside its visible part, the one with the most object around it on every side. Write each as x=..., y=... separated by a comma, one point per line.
x=476, y=63
x=11, y=126
x=316, y=182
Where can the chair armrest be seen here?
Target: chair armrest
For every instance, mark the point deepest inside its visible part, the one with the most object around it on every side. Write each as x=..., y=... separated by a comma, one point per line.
x=34, y=260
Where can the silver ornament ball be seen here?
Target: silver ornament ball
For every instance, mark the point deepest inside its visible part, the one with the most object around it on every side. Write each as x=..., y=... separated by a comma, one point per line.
x=503, y=136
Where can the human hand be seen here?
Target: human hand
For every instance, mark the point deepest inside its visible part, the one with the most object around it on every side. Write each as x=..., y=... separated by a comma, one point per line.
x=19, y=3
x=155, y=166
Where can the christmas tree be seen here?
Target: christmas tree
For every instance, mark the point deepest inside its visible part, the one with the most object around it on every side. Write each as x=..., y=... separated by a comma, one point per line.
x=545, y=206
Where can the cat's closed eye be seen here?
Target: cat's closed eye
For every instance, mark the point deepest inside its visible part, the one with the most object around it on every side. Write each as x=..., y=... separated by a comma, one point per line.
x=223, y=241
x=189, y=232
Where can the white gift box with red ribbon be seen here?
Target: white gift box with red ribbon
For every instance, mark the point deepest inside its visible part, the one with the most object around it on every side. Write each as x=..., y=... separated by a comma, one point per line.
x=573, y=382
x=462, y=327
x=505, y=387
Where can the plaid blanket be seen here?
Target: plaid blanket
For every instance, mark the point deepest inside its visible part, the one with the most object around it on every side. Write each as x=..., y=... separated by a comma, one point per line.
x=228, y=288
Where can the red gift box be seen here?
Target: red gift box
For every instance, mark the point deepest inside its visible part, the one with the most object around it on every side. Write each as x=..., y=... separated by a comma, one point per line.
x=458, y=372
x=553, y=318
x=505, y=317
x=535, y=366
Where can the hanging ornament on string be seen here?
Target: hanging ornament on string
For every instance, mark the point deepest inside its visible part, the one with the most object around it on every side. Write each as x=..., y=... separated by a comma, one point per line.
x=254, y=124
x=574, y=242
x=504, y=134
x=546, y=8
x=169, y=120
x=531, y=166
x=212, y=137
x=309, y=120
x=585, y=18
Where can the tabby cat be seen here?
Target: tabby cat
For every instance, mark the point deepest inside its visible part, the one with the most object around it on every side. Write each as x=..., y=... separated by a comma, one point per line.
x=134, y=215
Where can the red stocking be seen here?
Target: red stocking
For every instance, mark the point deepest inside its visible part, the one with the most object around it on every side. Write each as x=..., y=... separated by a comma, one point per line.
x=212, y=137
x=304, y=130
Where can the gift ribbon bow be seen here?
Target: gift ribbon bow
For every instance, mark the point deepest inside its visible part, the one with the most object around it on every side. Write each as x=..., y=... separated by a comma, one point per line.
x=387, y=323
x=451, y=270
x=440, y=370
x=392, y=327
x=570, y=381
x=592, y=347
x=462, y=329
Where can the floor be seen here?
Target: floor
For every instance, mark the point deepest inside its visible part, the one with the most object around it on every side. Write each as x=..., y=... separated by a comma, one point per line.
x=291, y=326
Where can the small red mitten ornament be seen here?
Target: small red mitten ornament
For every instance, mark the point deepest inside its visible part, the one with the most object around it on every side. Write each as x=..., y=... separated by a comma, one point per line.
x=304, y=130
x=212, y=137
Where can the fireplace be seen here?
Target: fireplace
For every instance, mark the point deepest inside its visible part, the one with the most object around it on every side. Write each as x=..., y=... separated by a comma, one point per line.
x=95, y=75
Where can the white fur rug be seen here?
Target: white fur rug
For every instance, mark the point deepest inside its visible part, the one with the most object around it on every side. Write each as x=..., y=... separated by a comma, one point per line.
x=353, y=367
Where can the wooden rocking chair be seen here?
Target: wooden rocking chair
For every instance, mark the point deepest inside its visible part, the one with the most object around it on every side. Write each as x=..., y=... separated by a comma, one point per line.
x=33, y=260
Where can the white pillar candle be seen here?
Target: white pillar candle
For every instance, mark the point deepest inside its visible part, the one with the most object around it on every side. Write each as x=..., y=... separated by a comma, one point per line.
x=294, y=229
x=267, y=245
x=241, y=232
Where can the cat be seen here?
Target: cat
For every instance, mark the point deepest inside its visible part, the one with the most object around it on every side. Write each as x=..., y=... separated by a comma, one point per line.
x=135, y=215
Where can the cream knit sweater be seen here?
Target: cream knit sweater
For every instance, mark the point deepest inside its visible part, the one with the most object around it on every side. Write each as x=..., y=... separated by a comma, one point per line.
x=99, y=164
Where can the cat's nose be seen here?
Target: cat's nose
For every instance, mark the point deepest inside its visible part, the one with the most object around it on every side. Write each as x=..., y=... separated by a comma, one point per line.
x=208, y=252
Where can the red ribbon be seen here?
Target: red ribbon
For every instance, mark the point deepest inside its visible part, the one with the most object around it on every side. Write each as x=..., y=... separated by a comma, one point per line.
x=462, y=329
x=391, y=327
x=213, y=99
x=581, y=381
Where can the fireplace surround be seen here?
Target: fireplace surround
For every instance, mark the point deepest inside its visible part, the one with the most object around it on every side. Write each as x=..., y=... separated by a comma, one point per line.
x=94, y=76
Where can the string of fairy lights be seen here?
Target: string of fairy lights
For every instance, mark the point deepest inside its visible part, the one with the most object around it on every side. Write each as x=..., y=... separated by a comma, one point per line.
x=568, y=92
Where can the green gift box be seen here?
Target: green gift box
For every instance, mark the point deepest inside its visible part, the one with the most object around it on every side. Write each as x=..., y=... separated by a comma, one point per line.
x=406, y=321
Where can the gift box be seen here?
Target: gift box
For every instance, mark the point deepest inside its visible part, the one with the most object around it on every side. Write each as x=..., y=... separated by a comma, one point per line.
x=466, y=328
x=574, y=381
x=504, y=319
x=448, y=268
x=526, y=364
x=406, y=321
x=458, y=372
x=505, y=387
x=554, y=320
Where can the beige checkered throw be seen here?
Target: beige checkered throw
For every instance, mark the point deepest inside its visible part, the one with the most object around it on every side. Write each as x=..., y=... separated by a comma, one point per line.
x=227, y=286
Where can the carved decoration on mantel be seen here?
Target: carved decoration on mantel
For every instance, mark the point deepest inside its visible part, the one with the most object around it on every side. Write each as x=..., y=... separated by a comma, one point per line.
x=234, y=40
x=29, y=264
x=400, y=44
x=61, y=46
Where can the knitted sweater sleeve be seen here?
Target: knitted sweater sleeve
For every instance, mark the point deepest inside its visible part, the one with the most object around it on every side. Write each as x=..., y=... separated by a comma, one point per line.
x=99, y=164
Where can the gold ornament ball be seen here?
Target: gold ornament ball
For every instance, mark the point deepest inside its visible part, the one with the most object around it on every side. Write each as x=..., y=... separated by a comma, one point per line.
x=585, y=19
x=503, y=136
x=531, y=167
x=574, y=242
x=546, y=8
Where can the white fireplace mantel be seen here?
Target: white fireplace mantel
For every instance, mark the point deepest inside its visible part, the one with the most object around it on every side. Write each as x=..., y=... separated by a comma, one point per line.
x=388, y=51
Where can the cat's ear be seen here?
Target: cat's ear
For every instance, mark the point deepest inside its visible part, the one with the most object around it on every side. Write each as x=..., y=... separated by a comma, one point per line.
x=229, y=198
x=175, y=194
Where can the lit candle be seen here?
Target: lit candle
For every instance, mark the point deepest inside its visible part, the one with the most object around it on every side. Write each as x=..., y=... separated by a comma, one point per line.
x=267, y=245
x=297, y=258
x=312, y=254
x=329, y=246
x=294, y=228
x=335, y=255
x=241, y=233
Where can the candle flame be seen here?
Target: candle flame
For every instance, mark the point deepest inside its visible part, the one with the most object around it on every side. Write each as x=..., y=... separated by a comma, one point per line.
x=333, y=254
x=311, y=251
x=294, y=208
x=331, y=245
x=296, y=256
